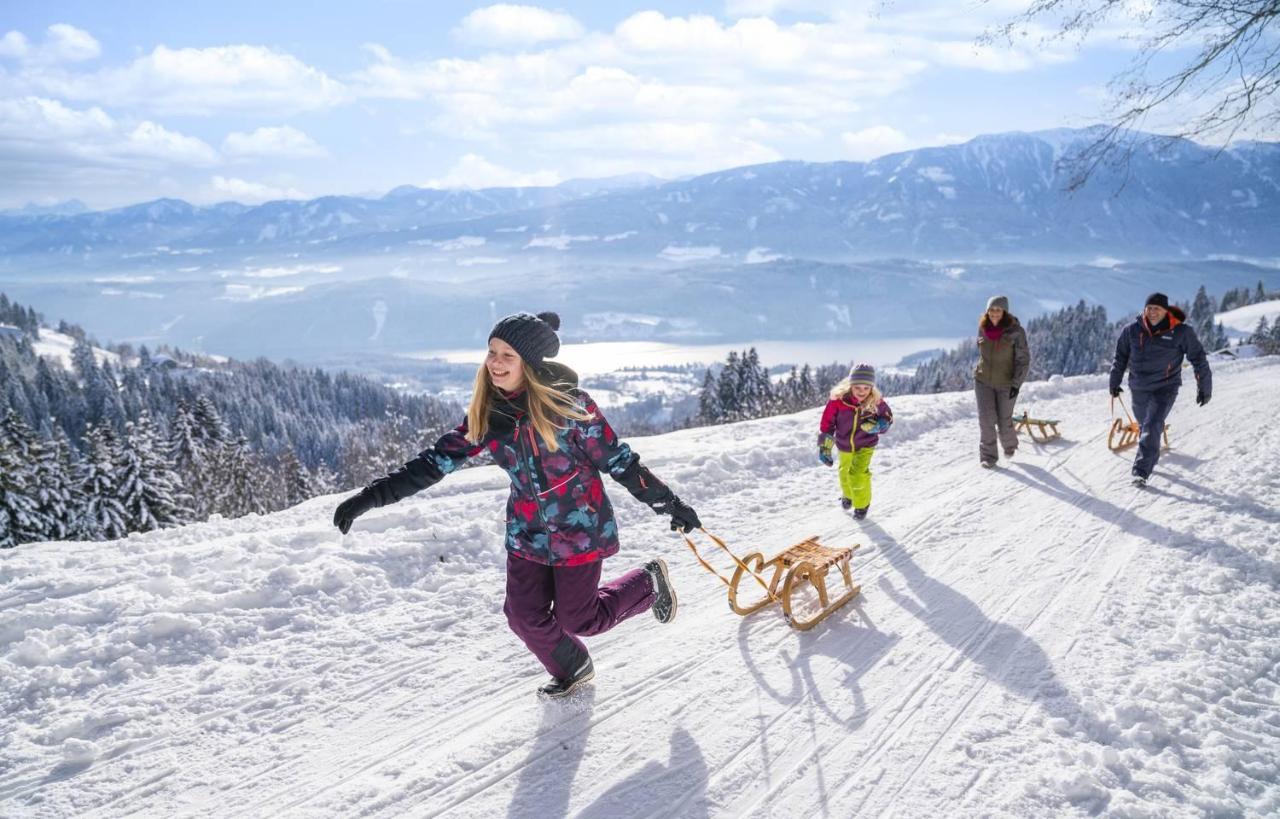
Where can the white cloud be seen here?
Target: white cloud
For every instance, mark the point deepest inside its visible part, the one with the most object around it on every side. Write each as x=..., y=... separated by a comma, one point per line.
x=474, y=171
x=873, y=142
x=506, y=24
x=199, y=81
x=250, y=193
x=14, y=44
x=63, y=43
x=35, y=128
x=282, y=141
x=67, y=43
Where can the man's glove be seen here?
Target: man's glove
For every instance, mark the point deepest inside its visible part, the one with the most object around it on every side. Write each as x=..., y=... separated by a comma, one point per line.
x=1115, y=392
x=1202, y=397
x=825, y=443
x=1013, y=393
x=683, y=518
x=352, y=508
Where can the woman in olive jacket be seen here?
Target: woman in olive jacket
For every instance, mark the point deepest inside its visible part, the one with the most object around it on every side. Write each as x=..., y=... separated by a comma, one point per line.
x=1003, y=362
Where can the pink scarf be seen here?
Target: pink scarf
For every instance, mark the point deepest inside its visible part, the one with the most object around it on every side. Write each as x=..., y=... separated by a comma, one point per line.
x=993, y=333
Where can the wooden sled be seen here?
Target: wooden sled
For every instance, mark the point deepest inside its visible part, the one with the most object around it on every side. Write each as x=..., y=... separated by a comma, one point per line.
x=806, y=562
x=1025, y=423
x=1125, y=434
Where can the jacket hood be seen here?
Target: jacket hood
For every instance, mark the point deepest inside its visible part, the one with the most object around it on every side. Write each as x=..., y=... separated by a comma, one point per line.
x=1007, y=323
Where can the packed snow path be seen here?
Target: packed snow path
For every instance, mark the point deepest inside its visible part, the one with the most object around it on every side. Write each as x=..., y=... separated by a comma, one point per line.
x=1037, y=639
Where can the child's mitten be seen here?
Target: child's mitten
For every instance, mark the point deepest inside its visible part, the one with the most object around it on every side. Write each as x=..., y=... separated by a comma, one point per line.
x=825, y=443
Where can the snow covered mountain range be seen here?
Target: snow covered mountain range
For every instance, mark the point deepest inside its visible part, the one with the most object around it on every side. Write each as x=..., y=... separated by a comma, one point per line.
x=910, y=244
x=997, y=196
x=1038, y=640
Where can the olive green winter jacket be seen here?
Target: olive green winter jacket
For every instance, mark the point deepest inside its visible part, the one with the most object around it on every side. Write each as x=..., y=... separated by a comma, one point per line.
x=1003, y=361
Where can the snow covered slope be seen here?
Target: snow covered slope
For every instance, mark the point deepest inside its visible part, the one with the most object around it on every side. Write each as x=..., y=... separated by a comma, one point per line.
x=1040, y=639
x=1244, y=320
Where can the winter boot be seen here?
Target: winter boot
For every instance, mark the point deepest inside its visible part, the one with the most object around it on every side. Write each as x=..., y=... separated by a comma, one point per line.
x=664, y=595
x=846, y=504
x=558, y=688
x=988, y=464
x=861, y=512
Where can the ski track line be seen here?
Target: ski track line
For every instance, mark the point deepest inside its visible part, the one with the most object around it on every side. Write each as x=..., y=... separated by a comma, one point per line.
x=388, y=680
x=922, y=679
x=1089, y=496
x=170, y=741
x=628, y=697
x=783, y=637
x=903, y=714
x=1101, y=538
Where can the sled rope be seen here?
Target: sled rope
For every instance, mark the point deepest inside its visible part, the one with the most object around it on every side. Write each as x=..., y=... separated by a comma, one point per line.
x=693, y=547
x=1116, y=398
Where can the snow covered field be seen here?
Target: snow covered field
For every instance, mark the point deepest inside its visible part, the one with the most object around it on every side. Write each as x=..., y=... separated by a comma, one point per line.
x=1037, y=640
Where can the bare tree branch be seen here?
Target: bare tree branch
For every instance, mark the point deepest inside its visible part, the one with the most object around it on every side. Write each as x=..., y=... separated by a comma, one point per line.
x=1236, y=71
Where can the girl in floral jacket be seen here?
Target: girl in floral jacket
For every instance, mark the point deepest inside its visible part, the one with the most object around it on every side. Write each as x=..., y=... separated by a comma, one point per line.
x=530, y=416
x=853, y=422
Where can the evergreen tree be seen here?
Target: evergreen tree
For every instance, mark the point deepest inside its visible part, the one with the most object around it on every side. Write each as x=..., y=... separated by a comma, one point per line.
x=241, y=494
x=150, y=491
x=55, y=487
x=20, y=517
x=728, y=391
x=297, y=482
x=709, y=411
x=104, y=516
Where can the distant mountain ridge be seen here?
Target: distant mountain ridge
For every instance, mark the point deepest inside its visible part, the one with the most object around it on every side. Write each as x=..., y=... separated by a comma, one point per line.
x=995, y=196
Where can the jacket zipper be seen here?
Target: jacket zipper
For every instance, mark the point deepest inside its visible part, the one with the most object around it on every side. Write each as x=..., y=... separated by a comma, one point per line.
x=533, y=487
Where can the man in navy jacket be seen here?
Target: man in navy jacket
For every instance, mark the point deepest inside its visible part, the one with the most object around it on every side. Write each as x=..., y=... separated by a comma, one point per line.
x=1153, y=348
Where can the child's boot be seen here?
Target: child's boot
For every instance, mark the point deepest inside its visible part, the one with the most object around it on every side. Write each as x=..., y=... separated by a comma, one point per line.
x=558, y=688
x=861, y=512
x=664, y=594
x=846, y=504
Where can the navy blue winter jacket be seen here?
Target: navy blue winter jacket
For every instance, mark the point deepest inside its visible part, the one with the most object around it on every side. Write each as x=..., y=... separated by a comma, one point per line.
x=1154, y=356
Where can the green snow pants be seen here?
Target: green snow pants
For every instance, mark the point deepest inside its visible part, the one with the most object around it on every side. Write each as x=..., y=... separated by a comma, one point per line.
x=855, y=476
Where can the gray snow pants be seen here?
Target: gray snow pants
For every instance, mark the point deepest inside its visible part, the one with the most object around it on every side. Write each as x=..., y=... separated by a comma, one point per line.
x=995, y=415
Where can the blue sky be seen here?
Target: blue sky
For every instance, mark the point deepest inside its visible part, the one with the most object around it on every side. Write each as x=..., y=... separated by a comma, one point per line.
x=119, y=102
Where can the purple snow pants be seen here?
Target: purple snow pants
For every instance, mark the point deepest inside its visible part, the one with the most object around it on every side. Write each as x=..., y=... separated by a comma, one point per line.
x=549, y=606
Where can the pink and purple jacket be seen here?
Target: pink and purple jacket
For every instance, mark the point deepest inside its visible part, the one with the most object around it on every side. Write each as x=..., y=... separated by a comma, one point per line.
x=843, y=419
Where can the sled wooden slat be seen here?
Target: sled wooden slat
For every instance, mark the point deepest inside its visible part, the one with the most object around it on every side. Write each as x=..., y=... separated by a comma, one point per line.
x=1047, y=428
x=1125, y=434
x=806, y=562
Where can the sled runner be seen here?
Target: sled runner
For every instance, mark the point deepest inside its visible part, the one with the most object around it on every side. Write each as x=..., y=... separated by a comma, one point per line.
x=1025, y=423
x=1124, y=435
x=806, y=562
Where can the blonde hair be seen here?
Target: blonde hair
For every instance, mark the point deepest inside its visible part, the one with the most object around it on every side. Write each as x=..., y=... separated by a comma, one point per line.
x=550, y=405
x=845, y=386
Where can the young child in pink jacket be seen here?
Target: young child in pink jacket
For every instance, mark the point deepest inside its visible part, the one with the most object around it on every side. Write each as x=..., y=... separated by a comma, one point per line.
x=855, y=418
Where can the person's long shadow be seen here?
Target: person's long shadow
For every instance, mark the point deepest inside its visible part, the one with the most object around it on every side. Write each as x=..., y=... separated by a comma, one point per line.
x=1221, y=552
x=848, y=636
x=1005, y=654
x=679, y=787
x=546, y=778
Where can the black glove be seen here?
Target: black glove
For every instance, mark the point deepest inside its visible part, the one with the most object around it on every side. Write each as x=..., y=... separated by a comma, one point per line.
x=1202, y=398
x=1013, y=393
x=683, y=518
x=1115, y=392
x=352, y=508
